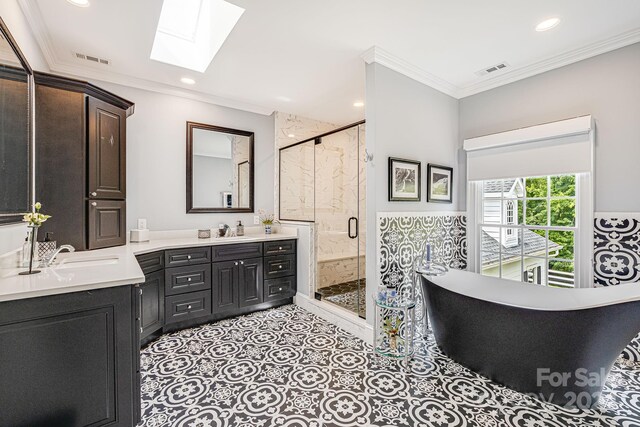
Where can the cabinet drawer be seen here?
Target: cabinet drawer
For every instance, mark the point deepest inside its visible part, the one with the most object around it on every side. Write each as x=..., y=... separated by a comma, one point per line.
x=280, y=247
x=236, y=252
x=279, y=266
x=191, y=278
x=188, y=256
x=275, y=289
x=151, y=262
x=187, y=306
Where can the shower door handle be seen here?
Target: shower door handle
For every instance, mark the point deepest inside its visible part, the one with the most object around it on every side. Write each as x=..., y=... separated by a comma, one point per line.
x=354, y=235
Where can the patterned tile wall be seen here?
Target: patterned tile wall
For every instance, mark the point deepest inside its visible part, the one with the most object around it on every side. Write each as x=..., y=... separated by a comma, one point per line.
x=403, y=235
x=617, y=258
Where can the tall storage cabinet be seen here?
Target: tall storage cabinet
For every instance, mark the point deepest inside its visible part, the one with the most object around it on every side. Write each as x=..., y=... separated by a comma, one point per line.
x=81, y=161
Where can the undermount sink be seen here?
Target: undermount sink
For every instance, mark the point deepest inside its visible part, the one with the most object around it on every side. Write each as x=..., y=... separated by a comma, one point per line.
x=87, y=262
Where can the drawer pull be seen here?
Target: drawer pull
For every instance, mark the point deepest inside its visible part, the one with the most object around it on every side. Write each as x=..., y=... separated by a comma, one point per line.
x=241, y=262
x=189, y=279
x=280, y=266
x=279, y=248
x=94, y=204
x=236, y=263
x=189, y=307
x=188, y=256
x=280, y=289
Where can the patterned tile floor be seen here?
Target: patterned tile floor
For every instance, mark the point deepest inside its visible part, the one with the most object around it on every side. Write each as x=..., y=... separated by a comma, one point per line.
x=287, y=367
x=347, y=295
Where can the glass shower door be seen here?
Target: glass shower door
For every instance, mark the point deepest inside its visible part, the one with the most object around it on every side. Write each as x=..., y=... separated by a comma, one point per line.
x=339, y=203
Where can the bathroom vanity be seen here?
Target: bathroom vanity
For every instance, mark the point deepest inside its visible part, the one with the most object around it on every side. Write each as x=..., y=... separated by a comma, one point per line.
x=193, y=285
x=70, y=337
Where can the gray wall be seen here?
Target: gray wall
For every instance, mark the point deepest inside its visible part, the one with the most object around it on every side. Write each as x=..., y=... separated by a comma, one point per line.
x=156, y=158
x=410, y=120
x=606, y=86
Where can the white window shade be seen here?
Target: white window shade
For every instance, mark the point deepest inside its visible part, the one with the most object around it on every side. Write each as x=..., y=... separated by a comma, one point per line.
x=550, y=149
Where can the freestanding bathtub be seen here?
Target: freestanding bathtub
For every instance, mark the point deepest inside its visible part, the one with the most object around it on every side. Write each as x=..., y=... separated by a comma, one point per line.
x=555, y=344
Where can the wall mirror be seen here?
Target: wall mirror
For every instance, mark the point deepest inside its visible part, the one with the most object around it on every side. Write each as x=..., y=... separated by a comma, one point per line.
x=16, y=92
x=219, y=169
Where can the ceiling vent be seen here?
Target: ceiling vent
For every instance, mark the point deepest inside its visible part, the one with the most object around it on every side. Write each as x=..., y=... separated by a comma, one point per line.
x=90, y=58
x=493, y=69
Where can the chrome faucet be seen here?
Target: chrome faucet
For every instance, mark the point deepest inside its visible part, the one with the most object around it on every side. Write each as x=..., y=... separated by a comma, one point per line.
x=49, y=260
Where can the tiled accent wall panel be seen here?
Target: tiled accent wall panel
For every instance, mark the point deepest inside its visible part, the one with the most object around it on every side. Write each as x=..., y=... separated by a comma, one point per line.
x=402, y=236
x=617, y=258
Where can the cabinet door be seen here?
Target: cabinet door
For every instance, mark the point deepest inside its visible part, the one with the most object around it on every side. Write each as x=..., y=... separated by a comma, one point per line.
x=106, y=223
x=107, y=144
x=250, y=282
x=152, y=304
x=68, y=360
x=224, y=283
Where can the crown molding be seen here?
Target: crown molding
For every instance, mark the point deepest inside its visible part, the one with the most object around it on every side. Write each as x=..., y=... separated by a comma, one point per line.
x=382, y=57
x=69, y=69
x=539, y=67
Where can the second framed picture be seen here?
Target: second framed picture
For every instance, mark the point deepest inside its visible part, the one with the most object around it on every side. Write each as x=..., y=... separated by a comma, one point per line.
x=439, y=183
x=404, y=180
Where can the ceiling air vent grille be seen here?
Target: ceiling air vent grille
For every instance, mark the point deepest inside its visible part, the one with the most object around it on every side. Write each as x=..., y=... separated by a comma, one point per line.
x=493, y=69
x=93, y=59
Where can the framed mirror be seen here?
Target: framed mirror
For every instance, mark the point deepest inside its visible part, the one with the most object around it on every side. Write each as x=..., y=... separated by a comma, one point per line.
x=16, y=132
x=219, y=169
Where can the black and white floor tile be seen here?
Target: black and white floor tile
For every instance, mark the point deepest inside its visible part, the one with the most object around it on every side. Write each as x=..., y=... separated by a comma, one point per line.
x=287, y=367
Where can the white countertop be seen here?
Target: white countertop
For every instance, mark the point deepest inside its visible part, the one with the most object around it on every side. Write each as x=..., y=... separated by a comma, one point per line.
x=110, y=267
x=534, y=297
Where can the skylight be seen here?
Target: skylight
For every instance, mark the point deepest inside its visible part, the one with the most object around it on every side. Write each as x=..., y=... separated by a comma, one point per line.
x=191, y=32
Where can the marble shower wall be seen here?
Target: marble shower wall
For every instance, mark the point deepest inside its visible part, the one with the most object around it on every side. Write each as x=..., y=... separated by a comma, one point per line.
x=340, y=195
x=296, y=195
x=324, y=183
x=617, y=257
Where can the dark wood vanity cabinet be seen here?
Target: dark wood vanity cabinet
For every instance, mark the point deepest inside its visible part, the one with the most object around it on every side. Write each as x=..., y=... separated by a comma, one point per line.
x=207, y=283
x=106, y=150
x=81, y=161
x=71, y=359
x=151, y=295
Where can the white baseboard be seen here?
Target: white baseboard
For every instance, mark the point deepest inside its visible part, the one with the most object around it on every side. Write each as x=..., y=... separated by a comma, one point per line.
x=339, y=317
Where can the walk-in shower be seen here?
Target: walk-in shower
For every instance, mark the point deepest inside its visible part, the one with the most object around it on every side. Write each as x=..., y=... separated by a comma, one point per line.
x=322, y=180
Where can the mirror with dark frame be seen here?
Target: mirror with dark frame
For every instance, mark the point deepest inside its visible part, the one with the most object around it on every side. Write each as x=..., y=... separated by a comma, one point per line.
x=16, y=91
x=219, y=169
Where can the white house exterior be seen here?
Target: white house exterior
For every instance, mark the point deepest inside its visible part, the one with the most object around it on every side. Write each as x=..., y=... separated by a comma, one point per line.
x=502, y=209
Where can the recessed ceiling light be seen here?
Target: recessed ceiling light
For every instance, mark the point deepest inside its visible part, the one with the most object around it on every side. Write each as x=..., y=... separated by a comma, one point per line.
x=291, y=135
x=358, y=104
x=79, y=3
x=188, y=81
x=547, y=24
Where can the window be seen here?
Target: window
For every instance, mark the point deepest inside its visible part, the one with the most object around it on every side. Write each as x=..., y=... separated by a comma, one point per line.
x=528, y=229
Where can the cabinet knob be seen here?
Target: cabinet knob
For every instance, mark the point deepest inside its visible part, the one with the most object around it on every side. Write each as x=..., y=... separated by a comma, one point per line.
x=236, y=263
x=94, y=194
x=280, y=266
x=94, y=204
x=241, y=262
x=279, y=248
x=189, y=307
x=189, y=279
x=188, y=256
x=279, y=289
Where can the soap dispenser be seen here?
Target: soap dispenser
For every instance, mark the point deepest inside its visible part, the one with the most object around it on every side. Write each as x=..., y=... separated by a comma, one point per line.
x=239, y=228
